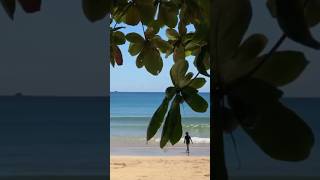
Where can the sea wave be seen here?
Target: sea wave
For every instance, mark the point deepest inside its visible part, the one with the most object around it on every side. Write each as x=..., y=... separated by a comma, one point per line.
x=195, y=140
x=148, y=117
x=196, y=125
x=191, y=126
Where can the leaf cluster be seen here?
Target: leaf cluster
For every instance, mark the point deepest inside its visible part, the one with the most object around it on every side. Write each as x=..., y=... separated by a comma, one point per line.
x=185, y=89
x=249, y=78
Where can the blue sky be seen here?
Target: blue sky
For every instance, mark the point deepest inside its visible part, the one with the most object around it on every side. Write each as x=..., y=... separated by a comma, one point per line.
x=53, y=52
x=128, y=78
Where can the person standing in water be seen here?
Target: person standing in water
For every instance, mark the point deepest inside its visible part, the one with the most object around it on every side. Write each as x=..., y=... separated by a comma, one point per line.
x=187, y=140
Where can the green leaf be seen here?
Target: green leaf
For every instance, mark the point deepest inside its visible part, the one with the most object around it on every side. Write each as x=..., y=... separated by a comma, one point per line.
x=200, y=62
x=198, y=83
x=171, y=129
x=161, y=44
x=170, y=92
x=185, y=80
x=244, y=96
x=191, y=12
x=168, y=14
x=135, y=38
x=251, y=47
x=137, y=43
x=191, y=37
x=172, y=34
x=282, y=134
x=157, y=119
x=139, y=63
x=151, y=59
x=132, y=16
x=311, y=11
x=291, y=18
x=146, y=10
x=10, y=7
x=118, y=38
x=192, y=45
x=135, y=48
x=278, y=131
x=188, y=76
x=178, y=71
x=119, y=9
x=254, y=90
x=194, y=100
x=95, y=10
x=228, y=26
x=30, y=6
x=282, y=67
x=176, y=132
x=244, y=60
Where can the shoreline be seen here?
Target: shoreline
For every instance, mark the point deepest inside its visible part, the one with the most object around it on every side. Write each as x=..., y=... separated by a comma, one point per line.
x=145, y=150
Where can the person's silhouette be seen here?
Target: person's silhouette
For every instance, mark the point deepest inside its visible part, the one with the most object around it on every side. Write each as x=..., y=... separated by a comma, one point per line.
x=187, y=140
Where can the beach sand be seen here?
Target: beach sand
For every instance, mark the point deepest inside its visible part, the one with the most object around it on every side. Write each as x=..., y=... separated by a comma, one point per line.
x=160, y=167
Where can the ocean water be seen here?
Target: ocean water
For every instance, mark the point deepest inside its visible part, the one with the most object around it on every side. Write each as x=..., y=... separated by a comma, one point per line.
x=60, y=136
x=69, y=136
x=130, y=114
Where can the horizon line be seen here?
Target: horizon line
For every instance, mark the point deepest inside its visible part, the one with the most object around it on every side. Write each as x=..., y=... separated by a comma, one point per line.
x=108, y=94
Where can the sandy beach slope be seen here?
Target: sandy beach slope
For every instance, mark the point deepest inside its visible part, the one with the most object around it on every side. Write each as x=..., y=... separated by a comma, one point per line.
x=160, y=168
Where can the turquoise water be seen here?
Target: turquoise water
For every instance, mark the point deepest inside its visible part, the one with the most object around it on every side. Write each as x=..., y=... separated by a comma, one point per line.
x=139, y=104
x=131, y=112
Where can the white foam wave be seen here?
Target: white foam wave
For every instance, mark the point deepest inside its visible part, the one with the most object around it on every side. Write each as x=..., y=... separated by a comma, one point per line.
x=195, y=140
x=197, y=126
